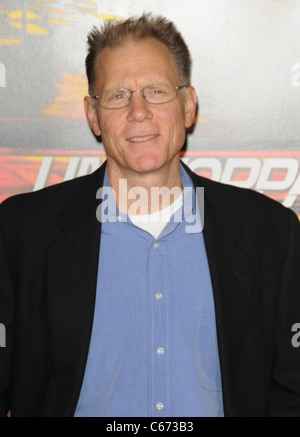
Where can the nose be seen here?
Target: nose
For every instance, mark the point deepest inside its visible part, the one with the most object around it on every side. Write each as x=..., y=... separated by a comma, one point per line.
x=138, y=109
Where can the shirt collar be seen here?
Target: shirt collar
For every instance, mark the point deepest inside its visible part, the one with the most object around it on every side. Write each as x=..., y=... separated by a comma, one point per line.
x=190, y=201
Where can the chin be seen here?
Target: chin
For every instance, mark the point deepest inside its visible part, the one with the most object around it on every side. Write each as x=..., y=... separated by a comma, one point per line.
x=147, y=165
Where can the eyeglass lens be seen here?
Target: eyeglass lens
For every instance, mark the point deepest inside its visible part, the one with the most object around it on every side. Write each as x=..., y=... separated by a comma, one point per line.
x=118, y=98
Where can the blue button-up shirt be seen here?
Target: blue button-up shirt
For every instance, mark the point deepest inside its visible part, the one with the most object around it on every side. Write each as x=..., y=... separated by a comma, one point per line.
x=153, y=349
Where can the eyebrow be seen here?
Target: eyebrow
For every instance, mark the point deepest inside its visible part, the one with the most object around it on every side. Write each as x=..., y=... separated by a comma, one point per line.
x=118, y=87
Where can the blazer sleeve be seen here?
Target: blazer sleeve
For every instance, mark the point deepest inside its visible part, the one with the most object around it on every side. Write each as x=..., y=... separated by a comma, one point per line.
x=284, y=391
x=6, y=320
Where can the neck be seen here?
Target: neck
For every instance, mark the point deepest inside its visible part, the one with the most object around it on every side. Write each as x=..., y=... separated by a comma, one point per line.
x=145, y=193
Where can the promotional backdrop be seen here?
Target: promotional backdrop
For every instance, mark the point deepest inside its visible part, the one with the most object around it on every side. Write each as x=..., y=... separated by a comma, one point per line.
x=246, y=71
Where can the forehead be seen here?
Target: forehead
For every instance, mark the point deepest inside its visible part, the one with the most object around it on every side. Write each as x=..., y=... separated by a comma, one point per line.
x=136, y=63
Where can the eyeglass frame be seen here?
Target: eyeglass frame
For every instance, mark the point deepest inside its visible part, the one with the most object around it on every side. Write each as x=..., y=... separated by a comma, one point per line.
x=177, y=88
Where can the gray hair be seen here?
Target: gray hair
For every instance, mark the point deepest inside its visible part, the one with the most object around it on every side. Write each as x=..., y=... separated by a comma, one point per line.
x=115, y=34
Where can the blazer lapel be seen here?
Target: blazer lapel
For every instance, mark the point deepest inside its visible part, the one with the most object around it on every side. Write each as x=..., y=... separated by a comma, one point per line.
x=72, y=280
x=231, y=269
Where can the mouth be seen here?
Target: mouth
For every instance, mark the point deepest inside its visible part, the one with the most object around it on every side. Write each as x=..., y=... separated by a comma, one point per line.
x=142, y=139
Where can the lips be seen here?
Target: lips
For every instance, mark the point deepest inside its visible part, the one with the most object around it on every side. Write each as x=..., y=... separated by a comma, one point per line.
x=142, y=138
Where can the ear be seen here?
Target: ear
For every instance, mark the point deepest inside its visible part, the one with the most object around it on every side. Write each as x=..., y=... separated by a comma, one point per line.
x=190, y=106
x=91, y=115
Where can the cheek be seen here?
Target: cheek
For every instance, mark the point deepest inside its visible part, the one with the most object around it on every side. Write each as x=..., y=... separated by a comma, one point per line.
x=175, y=122
x=174, y=117
x=110, y=127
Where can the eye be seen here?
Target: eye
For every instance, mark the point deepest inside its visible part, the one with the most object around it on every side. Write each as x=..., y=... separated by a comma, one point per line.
x=118, y=95
x=157, y=91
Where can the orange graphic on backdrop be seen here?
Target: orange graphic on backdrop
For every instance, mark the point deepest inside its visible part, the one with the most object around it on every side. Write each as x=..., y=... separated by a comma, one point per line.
x=68, y=101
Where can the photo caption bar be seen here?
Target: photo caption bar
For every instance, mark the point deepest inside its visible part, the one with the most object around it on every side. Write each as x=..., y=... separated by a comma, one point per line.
x=150, y=426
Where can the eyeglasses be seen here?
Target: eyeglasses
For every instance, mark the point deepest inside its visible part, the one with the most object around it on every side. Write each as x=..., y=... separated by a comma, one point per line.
x=156, y=94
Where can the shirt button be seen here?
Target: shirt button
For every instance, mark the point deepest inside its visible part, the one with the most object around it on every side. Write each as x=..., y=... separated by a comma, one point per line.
x=159, y=406
x=160, y=350
x=158, y=296
x=118, y=218
x=155, y=245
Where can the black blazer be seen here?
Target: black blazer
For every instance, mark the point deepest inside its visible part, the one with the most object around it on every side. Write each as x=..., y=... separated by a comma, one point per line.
x=49, y=245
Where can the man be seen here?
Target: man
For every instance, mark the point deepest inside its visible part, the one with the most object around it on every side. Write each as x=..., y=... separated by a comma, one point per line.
x=115, y=302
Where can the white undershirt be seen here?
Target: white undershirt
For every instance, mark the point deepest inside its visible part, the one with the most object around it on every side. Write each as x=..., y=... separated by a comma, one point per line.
x=154, y=223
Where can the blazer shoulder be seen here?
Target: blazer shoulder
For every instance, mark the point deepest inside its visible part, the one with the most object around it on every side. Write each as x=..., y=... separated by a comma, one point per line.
x=246, y=205
x=29, y=212
x=53, y=197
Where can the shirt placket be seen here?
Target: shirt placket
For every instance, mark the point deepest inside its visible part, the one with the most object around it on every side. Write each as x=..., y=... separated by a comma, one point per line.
x=159, y=402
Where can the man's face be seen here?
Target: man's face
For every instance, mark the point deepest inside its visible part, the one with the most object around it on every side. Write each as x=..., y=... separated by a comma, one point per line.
x=142, y=137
